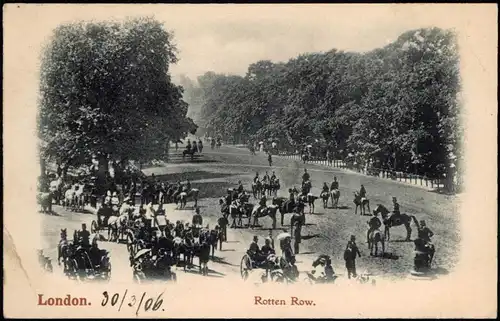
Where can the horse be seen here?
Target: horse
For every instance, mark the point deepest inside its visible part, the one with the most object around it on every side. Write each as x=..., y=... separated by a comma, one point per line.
x=283, y=206
x=202, y=251
x=274, y=187
x=395, y=220
x=238, y=212
x=325, y=196
x=270, y=211
x=335, y=195
x=45, y=201
x=361, y=204
x=308, y=198
x=117, y=226
x=183, y=196
x=69, y=198
x=55, y=189
x=376, y=237
x=189, y=152
x=257, y=189
x=78, y=197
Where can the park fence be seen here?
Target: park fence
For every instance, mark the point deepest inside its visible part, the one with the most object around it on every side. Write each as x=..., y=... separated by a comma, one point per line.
x=419, y=180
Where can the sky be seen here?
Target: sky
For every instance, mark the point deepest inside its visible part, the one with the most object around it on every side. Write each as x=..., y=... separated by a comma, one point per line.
x=227, y=38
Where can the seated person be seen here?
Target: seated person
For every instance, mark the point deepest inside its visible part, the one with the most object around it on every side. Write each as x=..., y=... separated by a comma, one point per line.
x=267, y=248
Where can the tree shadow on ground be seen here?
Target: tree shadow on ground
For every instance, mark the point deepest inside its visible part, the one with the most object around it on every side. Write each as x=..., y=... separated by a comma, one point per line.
x=192, y=176
x=443, y=191
x=197, y=271
x=310, y=252
x=399, y=241
x=343, y=207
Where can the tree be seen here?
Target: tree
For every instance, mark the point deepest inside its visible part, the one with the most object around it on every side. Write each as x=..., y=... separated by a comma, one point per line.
x=106, y=90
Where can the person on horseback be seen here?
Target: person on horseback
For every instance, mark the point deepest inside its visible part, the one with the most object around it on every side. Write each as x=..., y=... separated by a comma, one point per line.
x=374, y=225
x=335, y=184
x=395, y=205
x=305, y=176
x=273, y=177
x=256, y=178
x=362, y=194
x=265, y=179
x=188, y=185
x=325, y=188
x=241, y=189
x=195, y=146
x=188, y=145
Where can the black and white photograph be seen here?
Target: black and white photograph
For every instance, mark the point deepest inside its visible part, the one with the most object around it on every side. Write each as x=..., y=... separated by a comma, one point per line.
x=311, y=160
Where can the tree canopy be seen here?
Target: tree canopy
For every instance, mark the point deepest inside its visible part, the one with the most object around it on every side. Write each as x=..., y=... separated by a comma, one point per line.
x=395, y=105
x=105, y=90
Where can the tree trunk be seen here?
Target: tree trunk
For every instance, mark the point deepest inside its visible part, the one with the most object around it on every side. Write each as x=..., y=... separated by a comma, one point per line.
x=102, y=169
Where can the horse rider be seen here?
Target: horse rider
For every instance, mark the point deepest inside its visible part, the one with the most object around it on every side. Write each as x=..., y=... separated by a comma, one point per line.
x=305, y=176
x=395, y=205
x=187, y=188
x=335, y=184
x=325, y=188
x=256, y=178
x=243, y=197
x=273, y=177
x=362, y=193
x=291, y=199
x=374, y=223
x=188, y=145
x=195, y=146
x=265, y=179
x=241, y=189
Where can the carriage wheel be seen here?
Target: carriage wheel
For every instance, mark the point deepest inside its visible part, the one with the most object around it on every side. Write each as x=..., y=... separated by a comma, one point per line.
x=93, y=227
x=245, y=266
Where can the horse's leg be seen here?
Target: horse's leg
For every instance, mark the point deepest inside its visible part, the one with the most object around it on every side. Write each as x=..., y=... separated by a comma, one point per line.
x=368, y=203
x=408, y=231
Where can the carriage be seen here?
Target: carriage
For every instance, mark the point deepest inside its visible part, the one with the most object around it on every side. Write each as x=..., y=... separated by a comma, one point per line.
x=147, y=266
x=81, y=267
x=271, y=265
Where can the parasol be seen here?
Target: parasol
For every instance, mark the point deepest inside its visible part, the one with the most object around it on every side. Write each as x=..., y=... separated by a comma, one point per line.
x=261, y=143
x=141, y=253
x=283, y=236
x=309, y=146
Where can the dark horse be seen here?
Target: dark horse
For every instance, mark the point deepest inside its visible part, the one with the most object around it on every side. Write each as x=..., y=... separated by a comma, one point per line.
x=285, y=207
x=189, y=152
x=361, y=204
x=395, y=220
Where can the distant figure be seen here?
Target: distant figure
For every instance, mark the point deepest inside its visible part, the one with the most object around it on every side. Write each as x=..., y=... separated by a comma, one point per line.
x=200, y=146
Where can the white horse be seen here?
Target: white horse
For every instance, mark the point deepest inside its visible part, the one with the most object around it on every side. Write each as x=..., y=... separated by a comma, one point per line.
x=117, y=225
x=69, y=197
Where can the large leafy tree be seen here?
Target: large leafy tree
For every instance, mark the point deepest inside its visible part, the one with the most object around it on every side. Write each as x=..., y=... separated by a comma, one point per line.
x=395, y=106
x=105, y=90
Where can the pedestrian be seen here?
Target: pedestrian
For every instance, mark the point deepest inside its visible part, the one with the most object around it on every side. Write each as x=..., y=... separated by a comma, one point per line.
x=297, y=238
x=350, y=257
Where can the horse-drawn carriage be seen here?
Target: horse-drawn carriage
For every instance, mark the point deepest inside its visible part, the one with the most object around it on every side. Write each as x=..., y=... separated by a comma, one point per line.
x=157, y=266
x=85, y=264
x=273, y=266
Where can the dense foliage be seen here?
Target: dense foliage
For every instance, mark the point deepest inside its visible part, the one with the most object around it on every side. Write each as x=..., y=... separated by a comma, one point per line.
x=395, y=106
x=105, y=90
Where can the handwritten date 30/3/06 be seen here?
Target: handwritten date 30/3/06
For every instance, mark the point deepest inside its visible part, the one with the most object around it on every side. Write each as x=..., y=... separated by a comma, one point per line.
x=141, y=302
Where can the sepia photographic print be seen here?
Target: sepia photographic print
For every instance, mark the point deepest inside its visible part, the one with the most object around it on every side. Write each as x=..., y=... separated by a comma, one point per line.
x=220, y=161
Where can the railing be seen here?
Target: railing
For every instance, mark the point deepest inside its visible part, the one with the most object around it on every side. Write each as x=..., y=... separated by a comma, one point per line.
x=409, y=178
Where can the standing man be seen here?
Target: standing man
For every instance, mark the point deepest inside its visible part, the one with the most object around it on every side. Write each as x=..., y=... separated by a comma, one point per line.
x=297, y=238
x=270, y=159
x=350, y=257
x=305, y=176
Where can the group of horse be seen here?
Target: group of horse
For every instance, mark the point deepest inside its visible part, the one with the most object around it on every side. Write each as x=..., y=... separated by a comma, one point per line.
x=168, y=193
x=265, y=188
x=73, y=196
